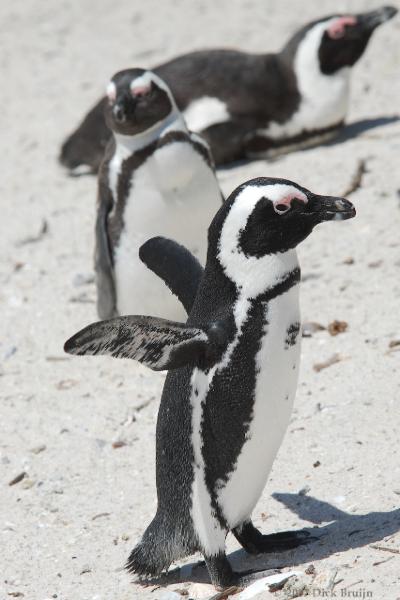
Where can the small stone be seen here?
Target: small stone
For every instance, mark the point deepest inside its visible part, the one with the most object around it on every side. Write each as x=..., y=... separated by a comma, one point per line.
x=66, y=384
x=375, y=264
x=337, y=327
x=394, y=343
x=119, y=444
x=28, y=484
x=304, y=490
x=38, y=449
x=86, y=569
x=310, y=570
x=197, y=590
x=18, y=478
x=311, y=327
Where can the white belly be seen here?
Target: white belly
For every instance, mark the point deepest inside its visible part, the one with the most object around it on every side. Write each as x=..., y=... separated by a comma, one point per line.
x=174, y=194
x=276, y=385
x=204, y=112
x=323, y=105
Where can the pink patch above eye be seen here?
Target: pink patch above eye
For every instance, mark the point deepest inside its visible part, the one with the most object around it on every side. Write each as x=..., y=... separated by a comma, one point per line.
x=140, y=90
x=286, y=201
x=337, y=29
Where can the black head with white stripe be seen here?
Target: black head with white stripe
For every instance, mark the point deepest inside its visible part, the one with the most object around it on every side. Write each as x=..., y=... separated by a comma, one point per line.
x=137, y=101
x=265, y=217
x=337, y=41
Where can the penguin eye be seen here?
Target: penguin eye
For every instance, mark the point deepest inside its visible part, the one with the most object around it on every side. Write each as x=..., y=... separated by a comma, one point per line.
x=281, y=208
x=140, y=91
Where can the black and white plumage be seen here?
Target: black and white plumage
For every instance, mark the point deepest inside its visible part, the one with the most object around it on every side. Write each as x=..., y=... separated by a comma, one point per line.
x=249, y=105
x=224, y=413
x=157, y=179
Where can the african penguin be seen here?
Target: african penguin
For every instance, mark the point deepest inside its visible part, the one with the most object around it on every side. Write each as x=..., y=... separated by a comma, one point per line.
x=232, y=377
x=252, y=105
x=157, y=178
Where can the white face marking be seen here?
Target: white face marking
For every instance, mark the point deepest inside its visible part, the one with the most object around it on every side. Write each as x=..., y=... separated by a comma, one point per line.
x=253, y=275
x=145, y=81
x=324, y=98
x=206, y=111
x=111, y=91
x=139, y=90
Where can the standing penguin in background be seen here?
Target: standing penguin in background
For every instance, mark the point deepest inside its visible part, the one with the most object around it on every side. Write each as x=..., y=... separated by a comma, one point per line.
x=157, y=179
x=232, y=377
x=256, y=105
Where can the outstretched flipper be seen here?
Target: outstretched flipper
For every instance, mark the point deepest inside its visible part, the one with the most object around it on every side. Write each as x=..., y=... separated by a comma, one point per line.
x=157, y=343
x=175, y=265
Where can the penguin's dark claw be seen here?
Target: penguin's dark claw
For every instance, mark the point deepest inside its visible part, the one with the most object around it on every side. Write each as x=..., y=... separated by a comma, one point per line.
x=284, y=540
x=254, y=542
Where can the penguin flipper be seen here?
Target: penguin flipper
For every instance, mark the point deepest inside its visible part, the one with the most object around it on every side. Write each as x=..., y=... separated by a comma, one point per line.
x=85, y=145
x=175, y=265
x=105, y=284
x=157, y=343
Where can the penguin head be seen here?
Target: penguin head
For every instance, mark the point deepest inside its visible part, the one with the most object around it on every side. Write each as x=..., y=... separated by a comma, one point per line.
x=338, y=41
x=265, y=217
x=137, y=100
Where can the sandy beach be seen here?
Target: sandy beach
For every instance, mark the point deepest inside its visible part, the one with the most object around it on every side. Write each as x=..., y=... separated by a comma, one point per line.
x=78, y=433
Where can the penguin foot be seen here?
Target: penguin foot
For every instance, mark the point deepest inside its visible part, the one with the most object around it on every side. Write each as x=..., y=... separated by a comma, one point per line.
x=254, y=542
x=221, y=574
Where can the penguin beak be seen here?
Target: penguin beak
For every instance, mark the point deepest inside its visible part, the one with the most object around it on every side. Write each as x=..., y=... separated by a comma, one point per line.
x=124, y=108
x=330, y=208
x=370, y=20
x=119, y=112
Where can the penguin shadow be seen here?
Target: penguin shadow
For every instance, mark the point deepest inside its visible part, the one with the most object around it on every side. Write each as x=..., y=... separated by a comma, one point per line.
x=353, y=130
x=335, y=531
x=342, y=531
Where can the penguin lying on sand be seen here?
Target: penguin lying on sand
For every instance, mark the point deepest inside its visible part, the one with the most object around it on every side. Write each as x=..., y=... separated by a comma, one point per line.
x=157, y=179
x=232, y=377
x=251, y=105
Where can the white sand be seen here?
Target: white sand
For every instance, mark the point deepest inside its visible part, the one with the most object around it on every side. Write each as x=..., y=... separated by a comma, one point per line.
x=55, y=58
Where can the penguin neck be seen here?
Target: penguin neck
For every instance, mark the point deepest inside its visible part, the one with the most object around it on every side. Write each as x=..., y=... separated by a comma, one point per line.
x=316, y=87
x=322, y=99
x=129, y=144
x=256, y=277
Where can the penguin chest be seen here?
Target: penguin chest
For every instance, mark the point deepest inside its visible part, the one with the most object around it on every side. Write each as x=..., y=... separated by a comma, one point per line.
x=276, y=367
x=323, y=105
x=173, y=194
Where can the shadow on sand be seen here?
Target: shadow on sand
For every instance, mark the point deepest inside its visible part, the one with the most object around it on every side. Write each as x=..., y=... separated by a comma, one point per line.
x=353, y=130
x=342, y=531
x=346, y=133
